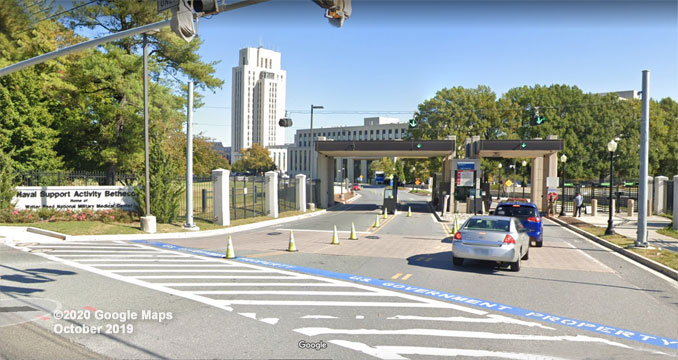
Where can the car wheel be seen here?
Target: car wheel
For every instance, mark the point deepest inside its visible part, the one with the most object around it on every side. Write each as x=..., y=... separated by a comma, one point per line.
x=515, y=266
x=527, y=254
x=457, y=261
x=540, y=243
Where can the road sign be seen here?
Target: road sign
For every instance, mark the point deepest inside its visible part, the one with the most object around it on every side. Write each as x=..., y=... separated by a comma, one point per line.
x=552, y=181
x=167, y=4
x=412, y=123
x=508, y=183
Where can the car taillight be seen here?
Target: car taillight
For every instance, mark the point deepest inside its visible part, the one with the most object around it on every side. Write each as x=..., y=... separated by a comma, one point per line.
x=509, y=239
x=533, y=219
x=457, y=236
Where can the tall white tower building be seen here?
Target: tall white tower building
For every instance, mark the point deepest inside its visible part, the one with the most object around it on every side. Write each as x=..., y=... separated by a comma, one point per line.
x=258, y=101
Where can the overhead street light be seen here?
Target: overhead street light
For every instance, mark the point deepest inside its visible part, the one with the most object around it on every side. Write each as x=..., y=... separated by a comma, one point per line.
x=310, y=153
x=611, y=147
x=522, y=169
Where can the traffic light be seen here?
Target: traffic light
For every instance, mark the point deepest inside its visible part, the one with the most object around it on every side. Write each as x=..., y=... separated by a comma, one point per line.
x=412, y=123
x=206, y=6
x=336, y=10
x=285, y=122
x=182, y=21
x=523, y=145
x=537, y=120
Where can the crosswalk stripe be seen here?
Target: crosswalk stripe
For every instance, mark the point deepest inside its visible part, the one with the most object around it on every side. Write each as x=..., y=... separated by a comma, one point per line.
x=332, y=303
x=138, y=251
x=183, y=266
x=283, y=292
x=209, y=277
x=143, y=260
x=248, y=284
x=128, y=255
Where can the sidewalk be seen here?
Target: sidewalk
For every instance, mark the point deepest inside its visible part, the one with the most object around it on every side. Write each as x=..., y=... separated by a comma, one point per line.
x=628, y=226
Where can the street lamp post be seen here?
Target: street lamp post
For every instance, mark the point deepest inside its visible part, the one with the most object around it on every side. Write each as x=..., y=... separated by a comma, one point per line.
x=611, y=147
x=500, y=184
x=563, y=159
x=310, y=155
x=522, y=169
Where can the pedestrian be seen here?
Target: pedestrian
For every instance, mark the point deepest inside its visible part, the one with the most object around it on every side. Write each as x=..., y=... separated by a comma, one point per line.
x=578, y=203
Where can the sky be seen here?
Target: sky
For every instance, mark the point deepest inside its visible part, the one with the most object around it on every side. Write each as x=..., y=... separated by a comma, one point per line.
x=392, y=55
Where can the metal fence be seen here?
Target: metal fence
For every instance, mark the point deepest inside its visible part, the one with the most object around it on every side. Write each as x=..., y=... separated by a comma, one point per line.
x=621, y=192
x=74, y=178
x=316, y=191
x=203, y=198
x=287, y=194
x=247, y=196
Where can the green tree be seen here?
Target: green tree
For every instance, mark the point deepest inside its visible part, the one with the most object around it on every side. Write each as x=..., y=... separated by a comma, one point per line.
x=7, y=181
x=256, y=159
x=384, y=164
x=165, y=190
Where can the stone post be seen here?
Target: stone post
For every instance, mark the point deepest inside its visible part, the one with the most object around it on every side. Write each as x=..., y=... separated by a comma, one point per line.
x=660, y=194
x=594, y=207
x=675, y=202
x=301, y=192
x=220, y=181
x=271, y=188
x=629, y=210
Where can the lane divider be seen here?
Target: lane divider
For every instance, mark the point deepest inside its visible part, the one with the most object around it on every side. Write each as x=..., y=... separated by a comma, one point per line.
x=599, y=329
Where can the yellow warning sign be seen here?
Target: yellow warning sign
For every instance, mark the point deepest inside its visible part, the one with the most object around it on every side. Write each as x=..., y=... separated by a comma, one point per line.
x=508, y=183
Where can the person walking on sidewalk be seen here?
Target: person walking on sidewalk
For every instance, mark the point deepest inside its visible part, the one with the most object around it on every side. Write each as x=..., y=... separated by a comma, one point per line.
x=578, y=203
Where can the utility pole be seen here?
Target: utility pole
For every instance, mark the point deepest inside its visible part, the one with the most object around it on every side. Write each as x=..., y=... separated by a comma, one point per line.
x=189, y=161
x=641, y=239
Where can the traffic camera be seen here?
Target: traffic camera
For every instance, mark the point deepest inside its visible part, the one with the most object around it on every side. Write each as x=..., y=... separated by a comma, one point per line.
x=182, y=21
x=336, y=10
x=285, y=122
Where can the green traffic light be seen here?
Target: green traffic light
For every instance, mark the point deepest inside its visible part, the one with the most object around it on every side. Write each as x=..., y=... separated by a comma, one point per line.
x=413, y=123
x=418, y=146
x=523, y=144
x=540, y=120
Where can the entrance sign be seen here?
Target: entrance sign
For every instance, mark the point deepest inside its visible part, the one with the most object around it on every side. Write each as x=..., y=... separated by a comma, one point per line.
x=466, y=166
x=552, y=182
x=465, y=178
x=74, y=197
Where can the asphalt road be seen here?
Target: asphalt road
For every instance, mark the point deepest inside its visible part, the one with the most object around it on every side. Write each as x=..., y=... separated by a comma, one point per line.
x=401, y=297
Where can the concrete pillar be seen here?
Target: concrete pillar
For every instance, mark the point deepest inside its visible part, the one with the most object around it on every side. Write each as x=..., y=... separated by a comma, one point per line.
x=300, y=196
x=594, y=207
x=363, y=170
x=675, y=202
x=613, y=205
x=550, y=163
x=537, y=191
x=271, y=188
x=660, y=194
x=350, y=165
x=221, y=184
x=338, y=170
x=325, y=171
x=629, y=209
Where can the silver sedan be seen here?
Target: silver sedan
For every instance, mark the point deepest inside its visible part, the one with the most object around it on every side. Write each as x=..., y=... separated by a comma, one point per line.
x=495, y=238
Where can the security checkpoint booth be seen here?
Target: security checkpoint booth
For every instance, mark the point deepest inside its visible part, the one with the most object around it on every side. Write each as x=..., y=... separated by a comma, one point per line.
x=327, y=150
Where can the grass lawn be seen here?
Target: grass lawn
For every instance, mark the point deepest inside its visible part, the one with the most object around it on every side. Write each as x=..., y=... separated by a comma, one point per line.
x=665, y=257
x=668, y=231
x=99, y=228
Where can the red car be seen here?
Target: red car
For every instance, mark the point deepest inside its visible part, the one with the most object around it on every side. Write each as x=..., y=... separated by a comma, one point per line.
x=355, y=187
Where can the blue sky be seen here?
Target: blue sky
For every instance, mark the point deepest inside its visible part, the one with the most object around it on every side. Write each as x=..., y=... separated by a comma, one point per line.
x=391, y=55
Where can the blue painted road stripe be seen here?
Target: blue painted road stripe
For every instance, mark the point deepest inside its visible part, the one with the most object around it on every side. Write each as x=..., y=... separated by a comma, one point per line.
x=445, y=296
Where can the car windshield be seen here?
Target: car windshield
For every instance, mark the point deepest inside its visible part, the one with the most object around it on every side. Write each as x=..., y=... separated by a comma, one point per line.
x=520, y=211
x=488, y=224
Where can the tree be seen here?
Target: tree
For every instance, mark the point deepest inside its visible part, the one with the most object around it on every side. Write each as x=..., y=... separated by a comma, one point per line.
x=256, y=159
x=7, y=181
x=205, y=158
x=165, y=190
x=385, y=164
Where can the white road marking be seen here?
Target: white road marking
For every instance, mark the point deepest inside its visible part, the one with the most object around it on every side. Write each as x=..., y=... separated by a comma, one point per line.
x=142, y=260
x=246, y=284
x=207, y=277
x=314, y=331
x=359, y=317
x=588, y=256
x=184, y=270
x=271, y=321
x=55, y=246
x=365, y=349
x=249, y=315
x=318, y=317
x=186, y=266
x=417, y=350
x=330, y=303
x=126, y=256
x=137, y=251
x=283, y=292
x=490, y=319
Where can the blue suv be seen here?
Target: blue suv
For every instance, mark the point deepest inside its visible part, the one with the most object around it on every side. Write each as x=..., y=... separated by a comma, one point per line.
x=529, y=216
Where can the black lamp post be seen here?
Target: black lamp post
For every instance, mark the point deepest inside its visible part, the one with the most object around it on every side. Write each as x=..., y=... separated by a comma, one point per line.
x=310, y=155
x=522, y=169
x=563, y=159
x=500, y=183
x=611, y=147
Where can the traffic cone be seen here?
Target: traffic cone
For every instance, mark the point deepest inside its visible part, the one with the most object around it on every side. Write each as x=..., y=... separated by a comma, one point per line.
x=376, y=222
x=455, y=226
x=335, y=237
x=230, y=253
x=409, y=211
x=385, y=213
x=395, y=212
x=353, y=235
x=292, y=247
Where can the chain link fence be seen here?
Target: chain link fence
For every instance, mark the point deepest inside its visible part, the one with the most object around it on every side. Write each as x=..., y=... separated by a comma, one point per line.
x=247, y=196
x=287, y=194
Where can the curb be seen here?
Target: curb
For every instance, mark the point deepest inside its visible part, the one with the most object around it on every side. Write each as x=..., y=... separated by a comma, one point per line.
x=177, y=235
x=354, y=198
x=630, y=254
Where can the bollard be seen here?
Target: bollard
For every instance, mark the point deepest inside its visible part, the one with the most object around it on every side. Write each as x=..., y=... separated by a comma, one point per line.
x=204, y=201
x=594, y=207
x=629, y=209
